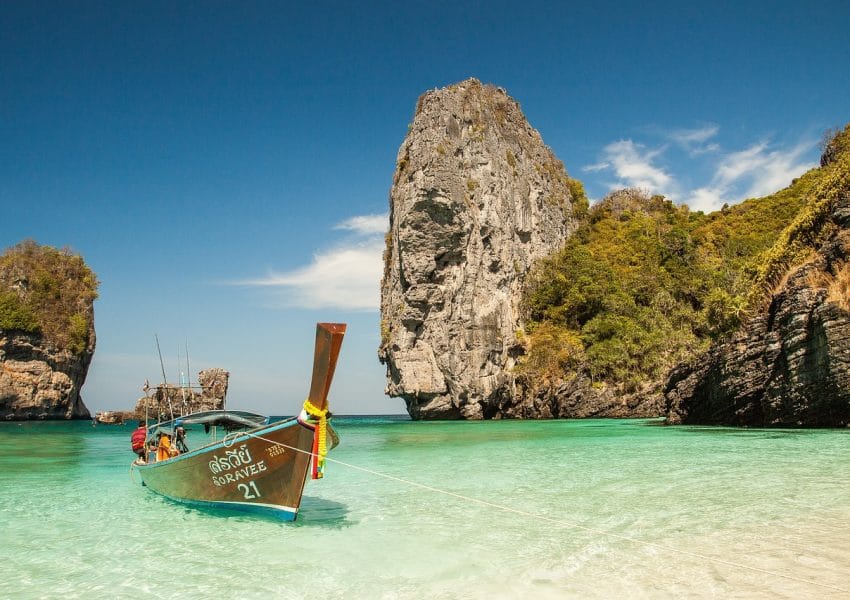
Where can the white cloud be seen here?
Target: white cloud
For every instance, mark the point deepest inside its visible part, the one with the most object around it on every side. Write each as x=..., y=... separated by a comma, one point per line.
x=366, y=224
x=633, y=165
x=694, y=136
x=736, y=165
x=755, y=171
x=597, y=167
x=765, y=171
x=751, y=173
x=693, y=140
x=346, y=277
x=706, y=199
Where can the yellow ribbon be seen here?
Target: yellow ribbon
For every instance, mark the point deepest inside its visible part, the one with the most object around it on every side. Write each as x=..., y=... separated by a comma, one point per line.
x=321, y=431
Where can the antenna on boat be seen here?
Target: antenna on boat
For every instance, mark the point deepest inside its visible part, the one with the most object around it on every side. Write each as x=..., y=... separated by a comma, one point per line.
x=158, y=351
x=188, y=371
x=164, y=379
x=188, y=376
x=182, y=383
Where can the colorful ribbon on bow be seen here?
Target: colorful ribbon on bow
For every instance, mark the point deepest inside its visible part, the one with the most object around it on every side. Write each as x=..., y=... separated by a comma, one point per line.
x=320, y=437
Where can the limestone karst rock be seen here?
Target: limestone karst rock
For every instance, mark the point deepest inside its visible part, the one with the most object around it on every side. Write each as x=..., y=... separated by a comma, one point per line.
x=47, y=336
x=789, y=365
x=162, y=400
x=476, y=198
x=39, y=380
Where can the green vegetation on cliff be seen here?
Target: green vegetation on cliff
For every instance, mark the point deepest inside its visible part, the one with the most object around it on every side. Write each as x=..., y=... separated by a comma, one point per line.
x=644, y=284
x=47, y=291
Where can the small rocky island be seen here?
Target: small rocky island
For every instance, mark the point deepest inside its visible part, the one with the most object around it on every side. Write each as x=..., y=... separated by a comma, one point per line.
x=505, y=295
x=47, y=336
x=163, y=400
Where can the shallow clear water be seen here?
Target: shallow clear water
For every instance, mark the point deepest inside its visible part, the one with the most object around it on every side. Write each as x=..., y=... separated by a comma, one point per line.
x=726, y=511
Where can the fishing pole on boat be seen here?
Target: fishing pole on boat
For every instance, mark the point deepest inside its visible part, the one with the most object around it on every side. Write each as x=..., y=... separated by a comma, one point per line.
x=188, y=370
x=182, y=380
x=188, y=373
x=164, y=378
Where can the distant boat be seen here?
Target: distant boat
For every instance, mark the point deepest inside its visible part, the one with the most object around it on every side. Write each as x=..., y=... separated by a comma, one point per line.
x=258, y=466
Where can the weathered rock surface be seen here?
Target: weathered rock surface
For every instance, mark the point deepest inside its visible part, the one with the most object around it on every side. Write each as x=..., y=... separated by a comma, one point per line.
x=161, y=401
x=477, y=197
x=580, y=399
x=789, y=365
x=39, y=380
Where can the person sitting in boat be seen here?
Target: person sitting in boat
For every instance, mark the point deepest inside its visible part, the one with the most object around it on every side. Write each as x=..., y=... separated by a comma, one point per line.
x=137, y=440
x=165, y=450
x=180, y=439
x=152, y=451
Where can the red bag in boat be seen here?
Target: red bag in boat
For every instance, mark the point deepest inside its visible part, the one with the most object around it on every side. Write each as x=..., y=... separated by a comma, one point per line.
x=137, y=440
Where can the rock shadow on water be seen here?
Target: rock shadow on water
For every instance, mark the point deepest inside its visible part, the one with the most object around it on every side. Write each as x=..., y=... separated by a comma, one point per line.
x=752, y=432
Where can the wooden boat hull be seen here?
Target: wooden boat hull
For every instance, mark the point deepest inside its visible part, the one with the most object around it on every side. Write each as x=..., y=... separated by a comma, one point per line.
x=256, y=471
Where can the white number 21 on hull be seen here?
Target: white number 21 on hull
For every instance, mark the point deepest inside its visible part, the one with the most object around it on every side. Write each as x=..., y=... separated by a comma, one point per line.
x=250, y=490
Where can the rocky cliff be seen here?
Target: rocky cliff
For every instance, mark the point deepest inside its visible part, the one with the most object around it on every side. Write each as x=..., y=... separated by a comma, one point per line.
x=789, y=364
x=47, y=336
x=39, y=380
x=476, y=198
x=161, y=401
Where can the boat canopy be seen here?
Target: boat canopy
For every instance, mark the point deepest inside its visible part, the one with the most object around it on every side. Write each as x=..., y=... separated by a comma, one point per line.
x=229, y=420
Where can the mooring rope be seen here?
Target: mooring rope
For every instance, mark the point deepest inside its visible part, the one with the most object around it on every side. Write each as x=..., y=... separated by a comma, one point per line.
x=561, y=522
x=232, y=438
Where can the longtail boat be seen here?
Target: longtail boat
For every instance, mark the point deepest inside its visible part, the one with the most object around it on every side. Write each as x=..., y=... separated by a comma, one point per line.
x=259, y=466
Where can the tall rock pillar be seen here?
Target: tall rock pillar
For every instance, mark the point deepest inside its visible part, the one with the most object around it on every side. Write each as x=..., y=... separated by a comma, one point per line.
x=476, y=198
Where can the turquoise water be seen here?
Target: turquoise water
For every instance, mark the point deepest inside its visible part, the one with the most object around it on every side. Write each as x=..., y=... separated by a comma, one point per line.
x=726, y=512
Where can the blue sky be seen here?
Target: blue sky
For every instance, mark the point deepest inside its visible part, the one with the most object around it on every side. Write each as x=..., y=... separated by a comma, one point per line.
x=224, y=167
